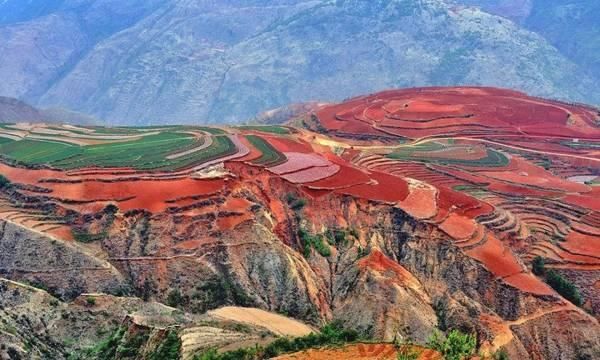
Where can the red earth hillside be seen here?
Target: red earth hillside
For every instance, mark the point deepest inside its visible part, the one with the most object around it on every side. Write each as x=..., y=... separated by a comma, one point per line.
x=403, y=190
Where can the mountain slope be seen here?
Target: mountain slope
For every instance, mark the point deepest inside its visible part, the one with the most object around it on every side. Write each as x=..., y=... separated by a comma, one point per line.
x=323, y=54
x=14, y=111
x=570, y=25
x=41, y=41
x=188, y=62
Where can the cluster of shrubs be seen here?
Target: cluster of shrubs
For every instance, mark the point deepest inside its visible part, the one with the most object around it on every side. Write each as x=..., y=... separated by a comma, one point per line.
x=294, y=202
x=454, y=346
x=563, y=286
x=313, y=241
x=122, y=344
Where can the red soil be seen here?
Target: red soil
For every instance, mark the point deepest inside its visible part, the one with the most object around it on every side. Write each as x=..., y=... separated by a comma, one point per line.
x=498, y=259
x=347, y=176
x=420, y=202
x=486, y=109
x=377, y=261
x=458, y=227
x=62, y=232
x=383, y=187
x=529, y=174
x=582, y=244
x=284, y=144
x=150, y=195
x=234, y=205
x=590, y=200
x=30, y=177
x=514, y=189
x=461, y=203
x=528, y=283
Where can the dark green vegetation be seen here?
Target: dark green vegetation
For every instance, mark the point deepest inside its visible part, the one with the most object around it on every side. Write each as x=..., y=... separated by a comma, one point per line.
x=84, y=236
x=294, y=202
x=331, y=334
x=37, y=151
x=270, y=156
x=562, y=285
x=168, y=349
x=148, y=151
x=4, y=182
x=454, y=346
x=537, y=266
x=175, y=299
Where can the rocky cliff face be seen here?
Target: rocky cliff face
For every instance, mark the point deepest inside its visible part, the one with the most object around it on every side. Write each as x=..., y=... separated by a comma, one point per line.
x=394, y=277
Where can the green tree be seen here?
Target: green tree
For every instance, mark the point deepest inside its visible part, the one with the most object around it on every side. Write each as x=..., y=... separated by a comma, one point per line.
x=4, y=182
x=538, y=265
x=455, y=346
x=500, y=355
x=564, y=287
x=175, y=299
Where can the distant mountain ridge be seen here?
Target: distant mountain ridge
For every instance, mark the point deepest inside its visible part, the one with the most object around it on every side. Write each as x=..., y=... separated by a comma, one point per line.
x=176, y=61
x=14, y=111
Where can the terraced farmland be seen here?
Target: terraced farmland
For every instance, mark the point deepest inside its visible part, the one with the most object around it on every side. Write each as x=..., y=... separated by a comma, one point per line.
x=491, y=179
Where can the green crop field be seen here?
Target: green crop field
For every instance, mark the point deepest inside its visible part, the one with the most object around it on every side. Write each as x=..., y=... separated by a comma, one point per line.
x=274, y=129
x=220, y=147
x=37, y=151
x=148, y=151
x=419, y=153
x=270, y=155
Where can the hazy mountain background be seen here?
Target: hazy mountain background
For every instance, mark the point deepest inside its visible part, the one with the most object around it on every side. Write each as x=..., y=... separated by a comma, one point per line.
x=184, y=61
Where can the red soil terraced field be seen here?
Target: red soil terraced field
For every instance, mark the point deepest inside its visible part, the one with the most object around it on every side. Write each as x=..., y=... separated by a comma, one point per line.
x=424, y=112
x=497, y=175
